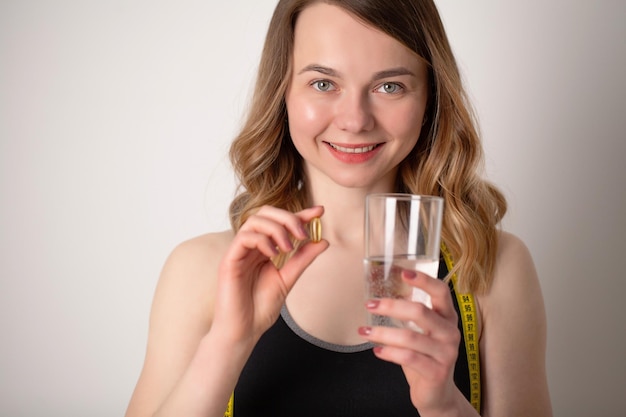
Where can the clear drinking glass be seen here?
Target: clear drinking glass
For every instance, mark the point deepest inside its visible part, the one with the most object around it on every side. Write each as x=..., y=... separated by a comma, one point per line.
x=402, y=231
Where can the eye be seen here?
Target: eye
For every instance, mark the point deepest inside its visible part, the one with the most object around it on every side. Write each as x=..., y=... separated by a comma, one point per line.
x=390, y=88
x=323, y=85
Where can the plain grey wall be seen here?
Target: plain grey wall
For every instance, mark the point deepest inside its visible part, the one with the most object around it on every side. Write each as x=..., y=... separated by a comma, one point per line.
x=115, y=120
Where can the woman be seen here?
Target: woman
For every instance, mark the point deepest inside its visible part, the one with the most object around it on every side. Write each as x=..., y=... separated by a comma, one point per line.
x=353, y=97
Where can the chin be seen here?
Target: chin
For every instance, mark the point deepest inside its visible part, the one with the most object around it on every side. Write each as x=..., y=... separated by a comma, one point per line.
x=368, y=178
x=352, y=182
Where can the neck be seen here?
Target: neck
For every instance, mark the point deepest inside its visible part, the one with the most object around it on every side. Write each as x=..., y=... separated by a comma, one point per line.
x=344, y=211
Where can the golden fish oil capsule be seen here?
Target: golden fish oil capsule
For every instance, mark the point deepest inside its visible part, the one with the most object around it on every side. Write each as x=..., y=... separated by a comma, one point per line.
x=315, y=229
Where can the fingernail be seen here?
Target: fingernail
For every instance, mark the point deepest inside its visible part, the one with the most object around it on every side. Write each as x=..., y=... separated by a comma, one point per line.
x=408, y=274
x=365, y=330
x=372, y=304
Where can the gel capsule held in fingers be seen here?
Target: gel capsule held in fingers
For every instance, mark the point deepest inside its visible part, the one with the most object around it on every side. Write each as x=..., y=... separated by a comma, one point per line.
x=315, y=229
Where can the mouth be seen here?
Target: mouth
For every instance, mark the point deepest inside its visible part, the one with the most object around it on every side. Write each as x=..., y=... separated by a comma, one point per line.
x=353, y=149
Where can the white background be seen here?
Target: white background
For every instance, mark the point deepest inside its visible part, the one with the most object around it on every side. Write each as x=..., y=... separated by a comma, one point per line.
x=115, y=121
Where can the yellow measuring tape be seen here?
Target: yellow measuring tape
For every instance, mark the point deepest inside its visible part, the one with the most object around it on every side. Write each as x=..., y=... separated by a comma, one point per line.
x=469, y=318
x=467, y=308
x=229, y=408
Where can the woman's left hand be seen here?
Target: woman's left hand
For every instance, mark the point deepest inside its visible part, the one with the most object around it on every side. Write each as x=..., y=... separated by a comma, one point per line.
x=427, y=358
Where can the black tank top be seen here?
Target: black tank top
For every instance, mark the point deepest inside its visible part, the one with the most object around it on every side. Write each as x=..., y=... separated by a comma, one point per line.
x=291, y=373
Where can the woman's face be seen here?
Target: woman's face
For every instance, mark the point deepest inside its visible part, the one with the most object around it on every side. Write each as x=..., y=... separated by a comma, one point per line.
x=356, y=99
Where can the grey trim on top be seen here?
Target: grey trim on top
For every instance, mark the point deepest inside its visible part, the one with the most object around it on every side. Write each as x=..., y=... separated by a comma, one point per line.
x=318, y=342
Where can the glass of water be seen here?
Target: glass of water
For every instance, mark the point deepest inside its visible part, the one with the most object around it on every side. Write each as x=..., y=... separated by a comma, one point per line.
x=402, y=231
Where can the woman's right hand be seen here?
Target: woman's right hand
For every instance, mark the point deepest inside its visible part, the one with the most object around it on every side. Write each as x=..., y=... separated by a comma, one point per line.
x=251, y=290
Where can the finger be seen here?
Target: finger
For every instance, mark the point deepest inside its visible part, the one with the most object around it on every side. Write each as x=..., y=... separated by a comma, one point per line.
x=424, y=365
x=311, y=221
x=272, y=229
x=416, y=314
x=403, y=338
x=309, y=213
x=245, y=241
x=438, y=290
x=300, y=260
x=292, y=222
x=406, y=341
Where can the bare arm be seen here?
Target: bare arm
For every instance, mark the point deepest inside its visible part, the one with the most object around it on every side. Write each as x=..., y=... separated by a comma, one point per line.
x=180, y=318
x=216, y=296
x=513, y=341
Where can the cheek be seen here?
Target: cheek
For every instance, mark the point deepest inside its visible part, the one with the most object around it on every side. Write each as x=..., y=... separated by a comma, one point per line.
x=306, y=116
x=304, y=111
x=407, y=123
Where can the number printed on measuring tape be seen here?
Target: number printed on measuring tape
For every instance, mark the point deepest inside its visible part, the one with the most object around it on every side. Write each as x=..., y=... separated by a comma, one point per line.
x=467, y=307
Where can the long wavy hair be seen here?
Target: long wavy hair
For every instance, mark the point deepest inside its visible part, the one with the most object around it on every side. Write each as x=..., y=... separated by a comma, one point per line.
x=446, y=161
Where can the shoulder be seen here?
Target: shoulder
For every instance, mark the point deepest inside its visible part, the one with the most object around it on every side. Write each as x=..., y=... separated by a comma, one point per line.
x=196, y=259
x=513, y=339
x=189, y=276
x=198, y=255
x=515, y=282
x=182, y=311
x=514, y=273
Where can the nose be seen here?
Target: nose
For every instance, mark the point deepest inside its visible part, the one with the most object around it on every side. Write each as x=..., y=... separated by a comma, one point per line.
x=353, y=113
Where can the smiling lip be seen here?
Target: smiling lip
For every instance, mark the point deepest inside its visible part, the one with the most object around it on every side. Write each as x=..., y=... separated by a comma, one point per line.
x=354, y=153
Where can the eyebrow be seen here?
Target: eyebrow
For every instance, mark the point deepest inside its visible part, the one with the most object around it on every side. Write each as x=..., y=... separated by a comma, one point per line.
x=392, y=72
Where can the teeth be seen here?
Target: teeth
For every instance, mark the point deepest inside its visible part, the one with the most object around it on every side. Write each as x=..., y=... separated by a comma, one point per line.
x=352, y=150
